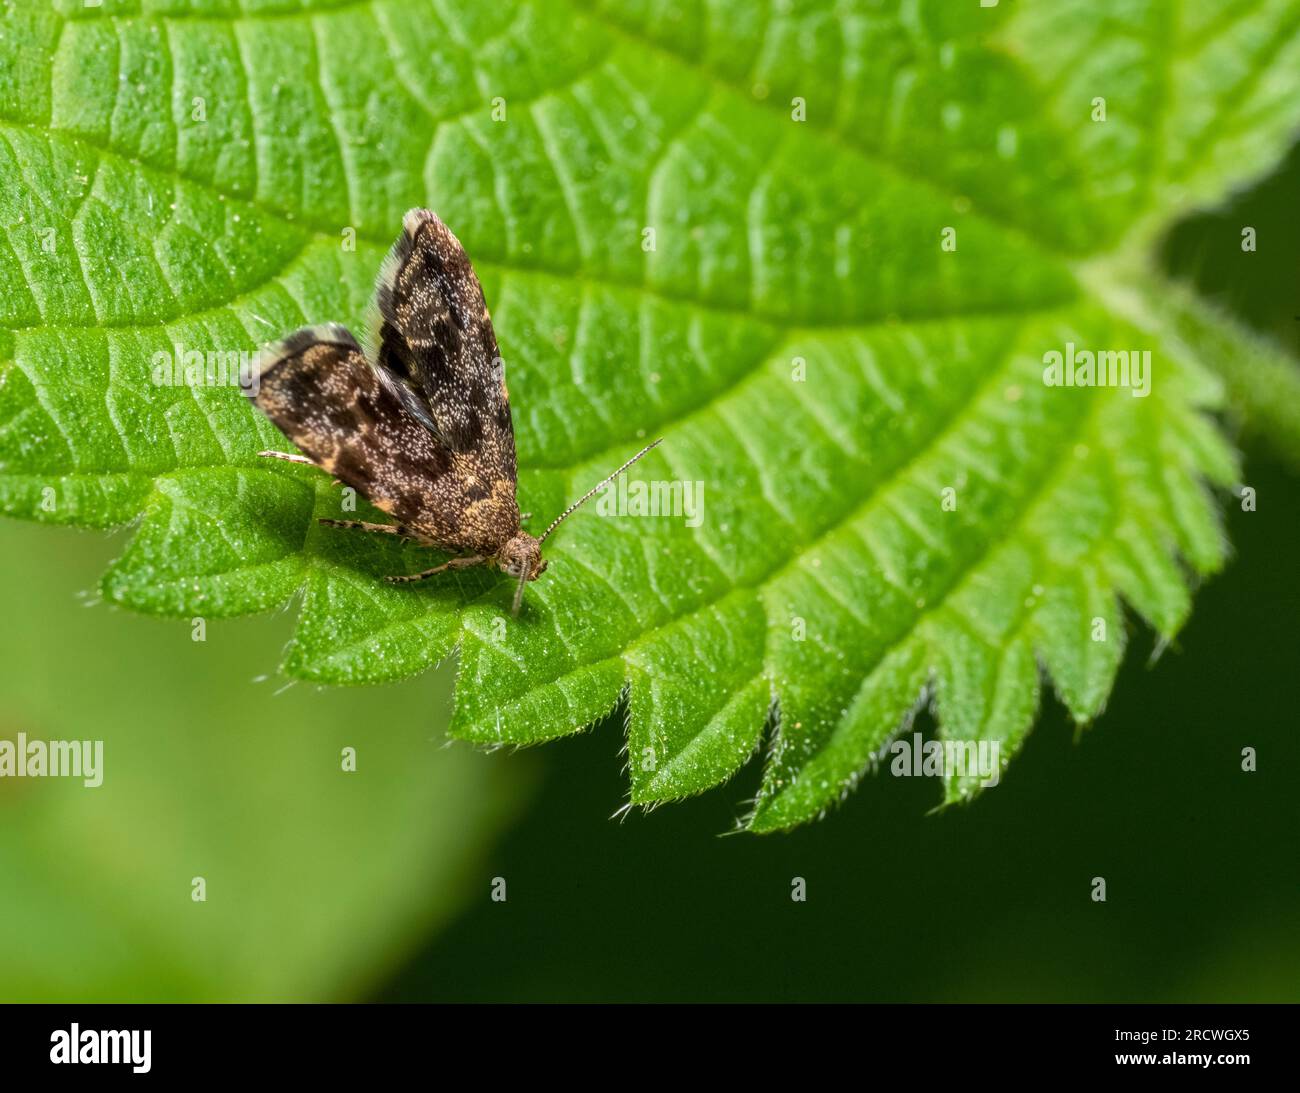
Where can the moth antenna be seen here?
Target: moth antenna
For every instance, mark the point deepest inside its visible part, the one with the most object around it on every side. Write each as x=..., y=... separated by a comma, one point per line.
x=596, y=488
x=519, y=595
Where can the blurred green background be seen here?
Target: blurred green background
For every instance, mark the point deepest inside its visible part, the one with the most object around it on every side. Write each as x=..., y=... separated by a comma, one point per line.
x=324, y=884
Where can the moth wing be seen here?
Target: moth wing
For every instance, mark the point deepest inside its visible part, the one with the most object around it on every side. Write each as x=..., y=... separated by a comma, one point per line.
x=433, y=337
x=319, y=389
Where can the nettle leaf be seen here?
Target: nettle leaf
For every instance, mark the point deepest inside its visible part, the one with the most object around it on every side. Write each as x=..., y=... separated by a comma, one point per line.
x=895, y=508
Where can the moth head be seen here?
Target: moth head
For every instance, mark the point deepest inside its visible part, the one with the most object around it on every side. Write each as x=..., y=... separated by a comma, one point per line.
x=521, y=558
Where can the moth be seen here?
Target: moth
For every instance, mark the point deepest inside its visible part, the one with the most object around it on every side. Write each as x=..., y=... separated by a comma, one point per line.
x=418, y=421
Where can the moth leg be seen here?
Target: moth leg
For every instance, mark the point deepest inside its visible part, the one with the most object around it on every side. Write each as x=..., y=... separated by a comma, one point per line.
x=450, y=563
x=288, y=458
x=525, y=516
x=362, y=525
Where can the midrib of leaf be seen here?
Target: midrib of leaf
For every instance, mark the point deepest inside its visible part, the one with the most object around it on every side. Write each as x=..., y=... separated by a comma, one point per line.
x=291, y=219
x=312, y=16
x=320, y=234
x=323, y=233
x=711, y=78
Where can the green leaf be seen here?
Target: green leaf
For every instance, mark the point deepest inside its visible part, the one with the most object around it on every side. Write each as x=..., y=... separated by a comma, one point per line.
x=190, y=175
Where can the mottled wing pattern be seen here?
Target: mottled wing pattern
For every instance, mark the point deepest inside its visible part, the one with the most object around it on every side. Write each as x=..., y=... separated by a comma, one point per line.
x=433, y=335
x=351, y=419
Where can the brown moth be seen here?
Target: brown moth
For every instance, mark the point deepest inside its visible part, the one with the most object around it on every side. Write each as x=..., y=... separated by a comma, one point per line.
x=419, y=425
